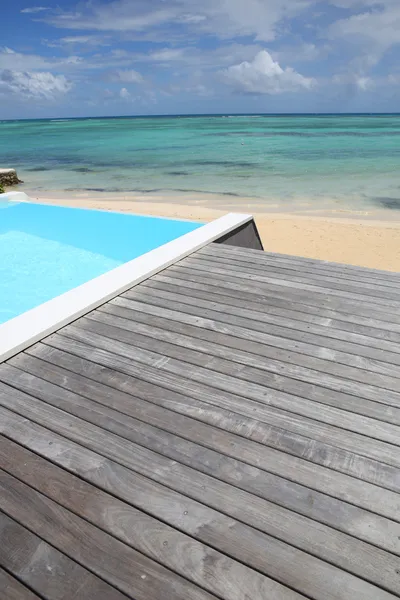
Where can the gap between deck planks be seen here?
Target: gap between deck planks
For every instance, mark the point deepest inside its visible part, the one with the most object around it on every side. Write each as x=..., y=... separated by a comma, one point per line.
x=199, y=355
x=302, y=262
x=136, y=400
x=280, y=560
x=290, y=293
x=266, y=326
x=190, y=293
x=325, y=445
x=365, y=291
x=13, y=589
x=344, y=292
x=380, y=475
x=299, y=304
x=300, y=445
x=43, y=568
x=331, y=482
x=201, y=564
x=120, y=384
x=298, y=382
x=289, y=269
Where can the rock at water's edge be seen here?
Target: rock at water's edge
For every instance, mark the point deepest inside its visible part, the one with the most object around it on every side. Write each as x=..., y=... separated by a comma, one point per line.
x=9, y=177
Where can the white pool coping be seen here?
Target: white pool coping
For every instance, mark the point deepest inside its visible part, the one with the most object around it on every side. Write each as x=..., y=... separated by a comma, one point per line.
x=30, y=327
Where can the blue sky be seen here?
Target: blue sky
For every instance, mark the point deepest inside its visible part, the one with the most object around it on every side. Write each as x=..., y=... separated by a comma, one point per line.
x=126, y=57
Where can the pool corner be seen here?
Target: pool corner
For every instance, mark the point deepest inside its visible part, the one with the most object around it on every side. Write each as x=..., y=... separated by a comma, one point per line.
x=28, y=328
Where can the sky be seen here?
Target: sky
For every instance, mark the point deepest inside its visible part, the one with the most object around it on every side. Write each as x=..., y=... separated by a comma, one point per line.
x=132, y=57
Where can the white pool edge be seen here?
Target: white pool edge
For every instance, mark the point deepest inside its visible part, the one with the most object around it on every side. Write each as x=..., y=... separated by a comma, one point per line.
x=30, y=327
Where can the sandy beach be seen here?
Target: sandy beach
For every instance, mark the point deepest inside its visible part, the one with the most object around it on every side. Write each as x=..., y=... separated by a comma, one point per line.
x=365, y=239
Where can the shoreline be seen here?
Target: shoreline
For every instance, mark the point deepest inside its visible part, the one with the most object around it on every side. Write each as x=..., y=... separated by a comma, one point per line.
x=361, y=238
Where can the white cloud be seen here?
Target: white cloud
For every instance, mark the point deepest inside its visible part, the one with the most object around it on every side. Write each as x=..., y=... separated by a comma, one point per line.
x=128, y=76
x=224, y=18
x=21, y=62
x=35, y=9
x=38, y=86
x=353, y=83
x=79, y=40
x=304, y=52
x=265, y=76
x=124, y=94
x=166, y=55
x=364, y=83
x=371, y=32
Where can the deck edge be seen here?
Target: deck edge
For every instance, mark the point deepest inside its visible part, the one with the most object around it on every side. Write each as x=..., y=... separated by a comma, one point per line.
x=30, y=327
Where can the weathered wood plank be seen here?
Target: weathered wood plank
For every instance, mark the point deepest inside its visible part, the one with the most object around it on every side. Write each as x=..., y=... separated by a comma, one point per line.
x=353, y=270
x=232, y=401
x=156, y=499
x=352, y=366
x=262, y=323
x=368, y=291
x=221, y=253
x=115, y=562
x=242, y=348
x=262, y=288
x=337, y=417
x=302, y=284
x=207, y=298
x=44, y=569
x=266, y=553
x=360, y=493
x=12, y=589
x=333, y=323
x=380, y=474
x=72, y=388
x=273, y=427
x=199, y=563
x=268, y=372
x=229, y=579
x=155, y=394
x=297, y=303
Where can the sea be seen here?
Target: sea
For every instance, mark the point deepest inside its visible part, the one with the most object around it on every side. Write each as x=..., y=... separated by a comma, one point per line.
x=299, y=162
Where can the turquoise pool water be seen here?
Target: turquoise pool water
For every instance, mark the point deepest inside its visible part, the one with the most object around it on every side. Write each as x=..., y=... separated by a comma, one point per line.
x=48, y=250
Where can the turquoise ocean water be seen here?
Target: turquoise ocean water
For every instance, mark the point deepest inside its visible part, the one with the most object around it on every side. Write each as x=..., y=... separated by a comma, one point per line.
x=348, y=162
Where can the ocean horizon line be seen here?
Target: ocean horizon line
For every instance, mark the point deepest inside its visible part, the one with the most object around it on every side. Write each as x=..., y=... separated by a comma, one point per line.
x=205, y=115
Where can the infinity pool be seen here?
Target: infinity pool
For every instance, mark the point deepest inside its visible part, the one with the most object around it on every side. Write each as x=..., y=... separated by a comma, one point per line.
x=48, y=250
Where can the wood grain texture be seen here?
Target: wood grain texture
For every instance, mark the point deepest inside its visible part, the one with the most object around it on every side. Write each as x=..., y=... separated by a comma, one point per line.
x=107, y=557
x=341, y=282
x=202, y=522
x=325, y=360
x=41, y=567
x=12, y=589
x=201, y=361
x=299, y=304
x=308, y=264
x=325, y=318
x=246, y=318
x=227, y=429
x=144, y=412
x=133, y=455
x=208, y=298
x=229, y=279
x=239, y=346
x=301, y=283
x=199, y=563
x=279, y=435
x=325, y=509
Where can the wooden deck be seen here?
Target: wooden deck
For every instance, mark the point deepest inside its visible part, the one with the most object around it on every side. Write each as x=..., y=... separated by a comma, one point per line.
x=229, y=428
